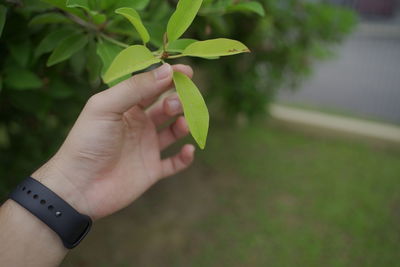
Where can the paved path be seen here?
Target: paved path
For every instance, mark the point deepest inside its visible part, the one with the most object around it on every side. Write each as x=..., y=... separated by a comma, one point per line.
x=364, y=79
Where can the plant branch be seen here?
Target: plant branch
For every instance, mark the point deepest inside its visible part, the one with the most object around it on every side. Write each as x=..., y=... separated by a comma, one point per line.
x=175, y=56
x=82, y=22
x=112, y=40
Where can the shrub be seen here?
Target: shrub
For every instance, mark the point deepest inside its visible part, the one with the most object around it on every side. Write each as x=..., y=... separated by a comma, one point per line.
x=38, y=103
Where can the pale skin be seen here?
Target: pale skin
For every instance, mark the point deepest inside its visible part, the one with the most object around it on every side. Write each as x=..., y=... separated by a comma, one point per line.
x=110, y=157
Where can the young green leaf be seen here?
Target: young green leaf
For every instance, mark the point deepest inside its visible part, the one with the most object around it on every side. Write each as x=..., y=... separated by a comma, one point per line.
x=194, y=108
x=215, y=48
x=3, y=13
x=131, y=59
x=181, y=19
x=49, y=18
x=134, y=18
x=52, y=40
x=251, y=6
x=67, y=48
x=179, y=45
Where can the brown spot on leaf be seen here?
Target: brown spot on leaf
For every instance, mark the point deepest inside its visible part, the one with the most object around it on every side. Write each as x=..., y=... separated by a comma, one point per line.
x=232, y=50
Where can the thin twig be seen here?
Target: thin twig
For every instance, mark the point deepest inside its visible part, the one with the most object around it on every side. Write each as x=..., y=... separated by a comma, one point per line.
x=112, y=40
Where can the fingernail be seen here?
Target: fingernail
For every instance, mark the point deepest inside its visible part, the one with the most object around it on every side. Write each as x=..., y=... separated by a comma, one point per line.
x=191, y=149
x=174, y=105
x=163, y=71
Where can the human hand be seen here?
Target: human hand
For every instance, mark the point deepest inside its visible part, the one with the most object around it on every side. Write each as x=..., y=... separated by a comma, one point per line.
x=112, y=154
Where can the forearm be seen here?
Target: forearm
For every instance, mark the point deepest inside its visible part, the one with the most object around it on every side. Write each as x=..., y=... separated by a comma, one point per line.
x=25, y=240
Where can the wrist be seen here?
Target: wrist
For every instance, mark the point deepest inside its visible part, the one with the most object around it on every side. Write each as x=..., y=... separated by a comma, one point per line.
x=26, y=240
x=53, y=178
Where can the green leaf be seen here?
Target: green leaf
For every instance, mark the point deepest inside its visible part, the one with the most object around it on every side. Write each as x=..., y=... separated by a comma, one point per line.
x=77, y=62
x=134, y=18
x=97, y=17
x=131, y=59
x=93, y=64
x=156, y=31
x=107, y=51
x=49, y=18
x=21, y=79
x=21, y=52
x=194, y=108
x=59, y=89
x=67, y=48
x=252, y=6
x=52, y=40
x=78, y=3
x=137, y=4
x=181, y=19
x=3, y=14
x=215, y=48
x=179, y=45
x=61, y=5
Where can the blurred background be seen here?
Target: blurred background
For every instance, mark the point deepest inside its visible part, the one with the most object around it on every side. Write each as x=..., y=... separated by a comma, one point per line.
x=302, y=165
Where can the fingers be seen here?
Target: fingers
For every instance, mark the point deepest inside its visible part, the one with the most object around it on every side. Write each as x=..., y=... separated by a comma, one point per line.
x=179, y=162
x=165, y=109
x=173, y=133
x=132, y=91
x=185, y=69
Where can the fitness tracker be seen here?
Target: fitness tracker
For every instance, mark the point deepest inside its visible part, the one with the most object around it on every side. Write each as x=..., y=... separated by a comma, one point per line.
x=70, y=225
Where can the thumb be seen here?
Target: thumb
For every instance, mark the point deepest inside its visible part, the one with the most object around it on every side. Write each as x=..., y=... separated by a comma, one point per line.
x=132, y=91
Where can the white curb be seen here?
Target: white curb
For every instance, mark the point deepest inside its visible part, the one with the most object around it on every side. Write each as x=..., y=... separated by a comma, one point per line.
x=363, y=128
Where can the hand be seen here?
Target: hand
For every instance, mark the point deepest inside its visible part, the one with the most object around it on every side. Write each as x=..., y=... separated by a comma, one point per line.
x=112, y=154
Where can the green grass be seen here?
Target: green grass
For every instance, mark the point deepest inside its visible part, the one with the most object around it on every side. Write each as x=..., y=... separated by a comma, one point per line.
x=261, y=196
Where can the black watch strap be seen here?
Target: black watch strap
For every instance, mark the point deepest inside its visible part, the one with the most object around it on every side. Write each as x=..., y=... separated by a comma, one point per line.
x=63, y=219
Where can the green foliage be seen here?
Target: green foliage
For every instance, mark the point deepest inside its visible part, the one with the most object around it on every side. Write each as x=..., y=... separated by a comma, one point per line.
x=38, y=104
x=3, y=12
x=21, y=79
x=194, y=107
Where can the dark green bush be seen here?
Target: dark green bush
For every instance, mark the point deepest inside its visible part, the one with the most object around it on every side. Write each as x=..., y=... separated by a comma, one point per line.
x=38, y=104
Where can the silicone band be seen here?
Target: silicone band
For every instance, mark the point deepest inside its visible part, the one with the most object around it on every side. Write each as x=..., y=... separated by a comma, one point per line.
x=70, y=225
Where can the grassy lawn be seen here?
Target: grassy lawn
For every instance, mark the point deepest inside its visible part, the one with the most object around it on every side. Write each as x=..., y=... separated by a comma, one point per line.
x=261, y=196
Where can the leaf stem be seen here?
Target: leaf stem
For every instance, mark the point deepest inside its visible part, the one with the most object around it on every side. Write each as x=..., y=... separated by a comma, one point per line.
x=112, y=40
x=175, y=56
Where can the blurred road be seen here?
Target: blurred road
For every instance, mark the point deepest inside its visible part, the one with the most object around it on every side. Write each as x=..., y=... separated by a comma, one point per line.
x=363, y=80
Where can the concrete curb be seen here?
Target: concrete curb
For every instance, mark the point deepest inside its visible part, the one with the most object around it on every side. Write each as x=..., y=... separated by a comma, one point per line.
x=384, y=133
x=378, y=30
